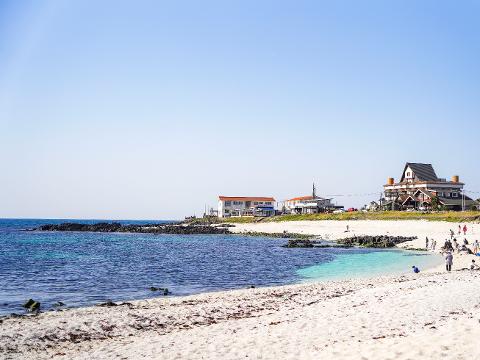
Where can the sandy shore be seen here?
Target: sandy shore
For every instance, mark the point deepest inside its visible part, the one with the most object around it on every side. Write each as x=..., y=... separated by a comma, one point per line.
x=416, y=316
x=333, y=230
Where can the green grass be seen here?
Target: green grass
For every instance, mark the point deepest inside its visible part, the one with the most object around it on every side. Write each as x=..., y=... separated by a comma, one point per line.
x=450, y=216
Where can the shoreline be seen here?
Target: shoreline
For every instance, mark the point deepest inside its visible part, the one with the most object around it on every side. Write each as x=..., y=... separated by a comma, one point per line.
x=399, y=316
x=334, y=230
x=380, y=316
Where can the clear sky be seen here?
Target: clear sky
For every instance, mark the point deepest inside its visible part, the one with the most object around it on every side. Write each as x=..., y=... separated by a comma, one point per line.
x=150, y=109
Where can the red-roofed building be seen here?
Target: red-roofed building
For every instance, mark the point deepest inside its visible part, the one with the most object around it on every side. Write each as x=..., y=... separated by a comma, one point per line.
x=245, y=206
x=310, y=204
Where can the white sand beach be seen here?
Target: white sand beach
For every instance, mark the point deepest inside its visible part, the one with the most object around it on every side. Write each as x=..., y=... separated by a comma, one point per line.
x=431, y=315
x=333, y=230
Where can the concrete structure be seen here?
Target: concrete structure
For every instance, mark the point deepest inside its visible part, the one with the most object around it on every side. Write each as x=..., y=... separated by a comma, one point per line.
x=245, y=206
x=420, y=188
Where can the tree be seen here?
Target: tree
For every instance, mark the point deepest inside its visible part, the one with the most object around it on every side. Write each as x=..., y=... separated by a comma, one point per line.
x=436, y=205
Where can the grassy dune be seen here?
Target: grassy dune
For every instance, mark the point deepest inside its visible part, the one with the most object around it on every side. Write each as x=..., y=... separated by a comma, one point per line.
x=451, y=216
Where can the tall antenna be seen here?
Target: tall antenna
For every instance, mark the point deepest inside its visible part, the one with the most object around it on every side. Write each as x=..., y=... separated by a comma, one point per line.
x=314, y=195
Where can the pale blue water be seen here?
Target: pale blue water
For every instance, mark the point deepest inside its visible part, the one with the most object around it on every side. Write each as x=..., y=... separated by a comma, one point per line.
x=81, y=269
x=370, y=264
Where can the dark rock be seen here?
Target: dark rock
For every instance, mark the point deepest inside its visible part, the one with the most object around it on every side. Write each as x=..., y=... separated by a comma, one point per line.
x=378, y=241
x=147, y=228
x=164, y=290
x=32, y=305
x=109, y=303
x=299, y=243
x=59, y=304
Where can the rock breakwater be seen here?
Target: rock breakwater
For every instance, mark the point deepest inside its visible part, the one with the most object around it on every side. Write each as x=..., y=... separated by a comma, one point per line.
x=106, y=227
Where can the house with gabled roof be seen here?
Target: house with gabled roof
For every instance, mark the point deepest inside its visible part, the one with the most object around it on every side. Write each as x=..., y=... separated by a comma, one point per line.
x=419, y=186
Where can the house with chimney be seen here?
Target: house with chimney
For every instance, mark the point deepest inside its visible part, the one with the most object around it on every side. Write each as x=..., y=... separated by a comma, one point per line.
x=420, y=188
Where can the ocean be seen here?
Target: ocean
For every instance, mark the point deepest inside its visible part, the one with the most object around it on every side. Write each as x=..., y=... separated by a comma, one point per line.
x=81, y=269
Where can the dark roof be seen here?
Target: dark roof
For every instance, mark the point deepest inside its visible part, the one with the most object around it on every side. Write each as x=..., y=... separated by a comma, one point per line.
x=457, y=201
x=423, y=172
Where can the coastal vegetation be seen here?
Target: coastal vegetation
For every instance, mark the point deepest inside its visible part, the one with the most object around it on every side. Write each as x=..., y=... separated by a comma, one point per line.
x=450, y=216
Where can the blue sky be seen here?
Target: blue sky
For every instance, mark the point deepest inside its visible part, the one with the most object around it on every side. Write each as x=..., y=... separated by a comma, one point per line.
x=150, y=109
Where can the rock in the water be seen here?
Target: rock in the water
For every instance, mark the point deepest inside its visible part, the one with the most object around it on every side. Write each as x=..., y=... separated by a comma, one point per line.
x=164, y=290
x=299, y=243
x=375, y=241
x=183, y=229
x=32, y=305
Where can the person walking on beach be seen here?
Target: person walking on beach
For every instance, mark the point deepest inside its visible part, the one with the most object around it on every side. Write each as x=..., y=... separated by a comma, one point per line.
x=464, y=230
x=451, y=234
x=426, y=242
x=475, y=246
x=459, y=229
x=434, y=243
x=449, y=261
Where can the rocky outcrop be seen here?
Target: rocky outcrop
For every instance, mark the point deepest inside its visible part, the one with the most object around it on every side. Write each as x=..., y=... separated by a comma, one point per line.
x=300, y=243
x=146, y=228
x=379, y=241
x=307, y=243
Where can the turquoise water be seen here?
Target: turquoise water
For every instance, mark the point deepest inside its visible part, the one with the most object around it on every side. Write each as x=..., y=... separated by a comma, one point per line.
x=80, y=268
x=371, y=264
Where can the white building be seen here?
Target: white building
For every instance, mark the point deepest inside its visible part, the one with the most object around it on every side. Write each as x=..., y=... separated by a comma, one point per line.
x=245, y=206
x=308, y=205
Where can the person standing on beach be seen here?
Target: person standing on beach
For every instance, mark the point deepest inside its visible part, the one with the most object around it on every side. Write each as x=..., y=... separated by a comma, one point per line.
x=455, y=244
x=464, y=230
x=449, y=261
x=451, y=234
x=426, y=242
x=459, y=229
x=475, y=246
x=434, y=243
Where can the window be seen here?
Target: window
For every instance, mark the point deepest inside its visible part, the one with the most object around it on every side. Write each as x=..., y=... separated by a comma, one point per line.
x=237, y=203
x=255, y=203
x=455, y=194
x=228, y=203
x=440, y=194
x=268, y=203
x=408, y=174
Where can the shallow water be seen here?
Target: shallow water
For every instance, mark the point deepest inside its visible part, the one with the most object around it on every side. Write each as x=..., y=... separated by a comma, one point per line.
x=370, y=264
x=87, y=268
